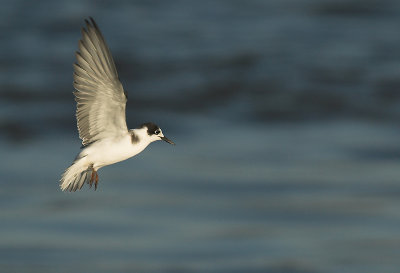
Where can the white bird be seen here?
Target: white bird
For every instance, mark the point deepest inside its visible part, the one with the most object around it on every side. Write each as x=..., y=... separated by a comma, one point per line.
x=100, y=114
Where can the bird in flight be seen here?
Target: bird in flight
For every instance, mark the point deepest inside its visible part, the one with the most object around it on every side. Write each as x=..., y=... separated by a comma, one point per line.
x=100, y=114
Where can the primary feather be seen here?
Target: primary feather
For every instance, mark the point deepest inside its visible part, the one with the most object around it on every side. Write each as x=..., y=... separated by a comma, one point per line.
x=100, y=97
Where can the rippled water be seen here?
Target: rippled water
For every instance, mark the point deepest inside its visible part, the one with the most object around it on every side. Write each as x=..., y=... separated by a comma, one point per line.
x=285, y=117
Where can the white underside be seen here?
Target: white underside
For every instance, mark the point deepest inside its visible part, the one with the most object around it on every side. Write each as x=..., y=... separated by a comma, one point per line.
x=104, y=152
x=111, y=150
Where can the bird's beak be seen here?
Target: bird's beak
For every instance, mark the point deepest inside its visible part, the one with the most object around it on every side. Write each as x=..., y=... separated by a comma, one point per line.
x=167, y=140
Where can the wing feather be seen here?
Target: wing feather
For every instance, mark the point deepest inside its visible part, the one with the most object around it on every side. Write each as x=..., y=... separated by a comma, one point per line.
x=101, y=99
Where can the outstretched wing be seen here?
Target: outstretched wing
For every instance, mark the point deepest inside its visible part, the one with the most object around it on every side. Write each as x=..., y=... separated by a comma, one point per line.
x=99, y=94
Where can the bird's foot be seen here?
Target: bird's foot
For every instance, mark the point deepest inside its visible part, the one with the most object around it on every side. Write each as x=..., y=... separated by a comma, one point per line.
x=94, y=179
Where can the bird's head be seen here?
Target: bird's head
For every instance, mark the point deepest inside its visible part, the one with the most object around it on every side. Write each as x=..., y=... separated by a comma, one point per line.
x=155, y=133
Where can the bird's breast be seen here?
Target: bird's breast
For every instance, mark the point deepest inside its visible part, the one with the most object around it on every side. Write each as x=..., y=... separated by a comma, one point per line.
x=110, y=151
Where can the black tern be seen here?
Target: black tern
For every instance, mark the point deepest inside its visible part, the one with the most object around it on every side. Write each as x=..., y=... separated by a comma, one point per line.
x=100, y=114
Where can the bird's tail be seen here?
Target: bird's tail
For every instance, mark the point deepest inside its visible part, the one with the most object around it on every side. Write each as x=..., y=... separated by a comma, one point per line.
x=77, y=174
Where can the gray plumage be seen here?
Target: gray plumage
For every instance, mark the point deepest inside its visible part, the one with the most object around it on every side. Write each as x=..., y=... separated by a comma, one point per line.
x=100, y=97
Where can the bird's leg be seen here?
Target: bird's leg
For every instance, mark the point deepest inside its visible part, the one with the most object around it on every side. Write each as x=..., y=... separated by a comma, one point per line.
x=92, y=177
x=97, y=180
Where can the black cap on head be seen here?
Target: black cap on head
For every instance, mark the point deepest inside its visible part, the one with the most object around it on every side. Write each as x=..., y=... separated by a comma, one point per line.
x=151, y=128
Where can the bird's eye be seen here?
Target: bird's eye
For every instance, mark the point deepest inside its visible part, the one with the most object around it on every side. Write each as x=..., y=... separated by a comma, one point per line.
x=157, y=132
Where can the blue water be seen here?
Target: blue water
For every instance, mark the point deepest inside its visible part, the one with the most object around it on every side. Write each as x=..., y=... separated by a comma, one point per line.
x=285, y=115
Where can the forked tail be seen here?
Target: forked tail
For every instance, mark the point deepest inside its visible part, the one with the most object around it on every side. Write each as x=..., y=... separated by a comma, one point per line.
x=78, y=174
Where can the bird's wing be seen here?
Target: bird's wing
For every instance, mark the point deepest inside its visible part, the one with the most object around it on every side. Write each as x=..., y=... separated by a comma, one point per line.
x=99, y=94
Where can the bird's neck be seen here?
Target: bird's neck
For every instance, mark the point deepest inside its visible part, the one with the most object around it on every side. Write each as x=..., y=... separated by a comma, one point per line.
x=139, y=135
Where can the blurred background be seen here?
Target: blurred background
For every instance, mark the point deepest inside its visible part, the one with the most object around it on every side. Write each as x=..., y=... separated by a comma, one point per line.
x=286, y=117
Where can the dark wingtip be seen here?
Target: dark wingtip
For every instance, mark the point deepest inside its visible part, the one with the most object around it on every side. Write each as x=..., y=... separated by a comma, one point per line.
x=91, y=23
x=92, y=20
